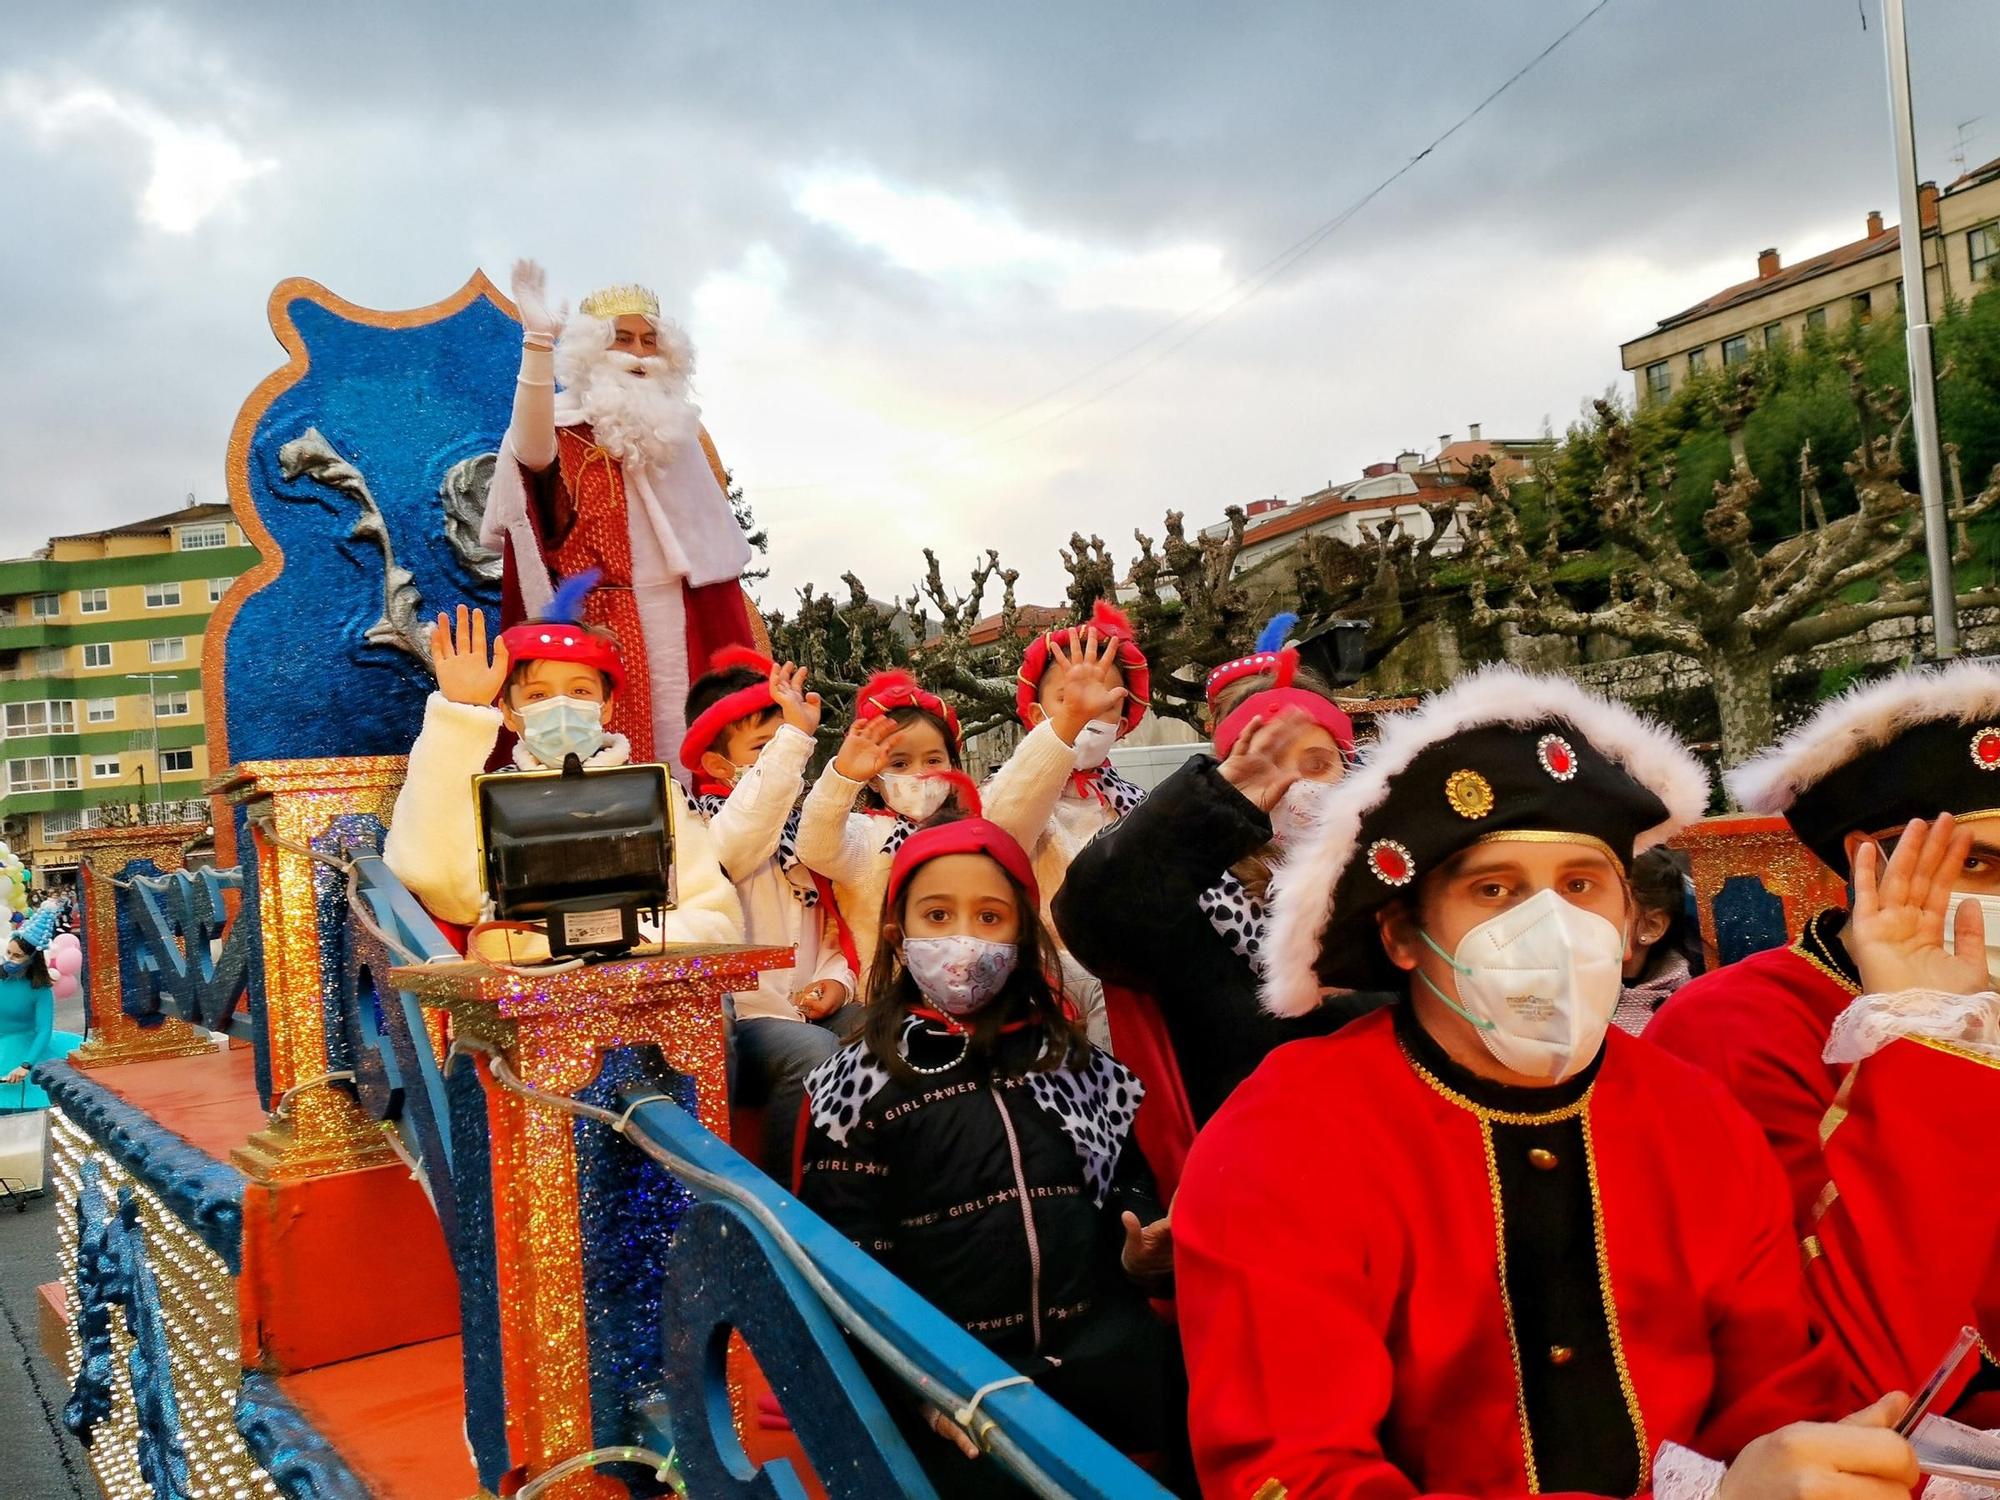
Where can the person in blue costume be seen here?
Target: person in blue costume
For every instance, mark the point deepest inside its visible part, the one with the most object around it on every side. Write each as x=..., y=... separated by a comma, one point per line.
x=28, y=1032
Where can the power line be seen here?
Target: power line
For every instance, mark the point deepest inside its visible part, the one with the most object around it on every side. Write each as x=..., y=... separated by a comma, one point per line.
x=1248, y=286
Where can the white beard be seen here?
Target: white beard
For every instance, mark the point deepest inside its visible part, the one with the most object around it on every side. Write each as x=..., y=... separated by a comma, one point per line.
x=637, y=408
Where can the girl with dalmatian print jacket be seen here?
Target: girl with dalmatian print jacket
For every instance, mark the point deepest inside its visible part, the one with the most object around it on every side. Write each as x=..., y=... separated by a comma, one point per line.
x=1156, y=903
x=974, y=1142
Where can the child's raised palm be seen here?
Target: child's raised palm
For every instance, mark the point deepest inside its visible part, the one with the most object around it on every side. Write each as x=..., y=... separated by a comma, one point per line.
x=788, y=690
x=868, y=748
x=1089, y=684
x=465, y=672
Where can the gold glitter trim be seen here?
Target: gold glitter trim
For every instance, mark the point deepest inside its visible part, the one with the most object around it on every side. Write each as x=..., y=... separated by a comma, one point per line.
x=1827, y=1197
x=1506, y=1297
x=1809, y=939
x=1810, y=1249
x=1498, y=1116
x=1271, y=1489
x=1611, y=1315
x=1469, y=793
x=1548, y=836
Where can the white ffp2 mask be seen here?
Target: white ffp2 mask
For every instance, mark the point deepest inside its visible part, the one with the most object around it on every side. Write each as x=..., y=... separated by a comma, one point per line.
x=1298, y=812
x=1092, y=747
x=1539, y=983
x=915, y=797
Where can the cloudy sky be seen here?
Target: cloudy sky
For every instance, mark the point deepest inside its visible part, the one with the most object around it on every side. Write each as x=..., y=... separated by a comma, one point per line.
x=933, y=255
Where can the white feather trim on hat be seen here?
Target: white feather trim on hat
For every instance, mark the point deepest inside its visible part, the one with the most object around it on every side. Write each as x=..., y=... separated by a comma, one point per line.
x=1303, y=885
x=1859, y=720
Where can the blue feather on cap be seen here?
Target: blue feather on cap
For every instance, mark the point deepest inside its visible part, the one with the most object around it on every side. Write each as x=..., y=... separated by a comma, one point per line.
x=566, y=607
x=1272, y=637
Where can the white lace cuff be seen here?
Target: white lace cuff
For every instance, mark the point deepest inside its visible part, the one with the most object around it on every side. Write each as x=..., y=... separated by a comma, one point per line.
x=1683, y=1474
x=1873, y=1021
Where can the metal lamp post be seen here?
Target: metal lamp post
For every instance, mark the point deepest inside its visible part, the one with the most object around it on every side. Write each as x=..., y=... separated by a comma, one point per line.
x=1917, y=306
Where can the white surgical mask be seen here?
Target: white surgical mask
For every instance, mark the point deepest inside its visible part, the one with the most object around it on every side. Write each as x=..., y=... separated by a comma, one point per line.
x=1094, y=742
x=1539, y=983
x=557, y=728
x=915, y=797
x=959, y=975
x=1989, y=912
x=1299, y=810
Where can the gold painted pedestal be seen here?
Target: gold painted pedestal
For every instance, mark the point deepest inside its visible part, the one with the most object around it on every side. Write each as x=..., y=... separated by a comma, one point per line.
x=293, y=802
x=554, y=1030
x=114, y=1037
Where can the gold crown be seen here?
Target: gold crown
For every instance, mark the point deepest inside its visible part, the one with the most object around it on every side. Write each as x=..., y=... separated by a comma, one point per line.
x=620, y=302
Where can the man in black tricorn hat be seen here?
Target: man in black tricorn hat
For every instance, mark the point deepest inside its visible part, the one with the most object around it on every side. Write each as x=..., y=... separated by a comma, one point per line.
x=1901, y=1192
x=1472, y=1244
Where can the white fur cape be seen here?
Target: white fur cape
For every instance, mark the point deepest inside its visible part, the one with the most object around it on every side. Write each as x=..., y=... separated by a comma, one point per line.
x=1303, y=886
x=1860, y=720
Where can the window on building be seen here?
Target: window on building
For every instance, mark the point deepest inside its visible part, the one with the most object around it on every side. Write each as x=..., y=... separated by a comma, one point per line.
x=1899, y=296
x=1774, y=335
x=98, y=655
x=163, y=595
x=1659, y=381
x=66, y=821
x=50, y=660
x=101, y=711
x=24, y=719
x=174, y=649
x=1982, y=248
x=1861, y=307
x=203, y=538
x=45, y=606
x=1816, y=320
x=105, y=768
x=170, y=706
x=1736, y=349
x=217, y=587
x=43, y=773
x=176, y=762
x=93, y=601
x=1697, y=361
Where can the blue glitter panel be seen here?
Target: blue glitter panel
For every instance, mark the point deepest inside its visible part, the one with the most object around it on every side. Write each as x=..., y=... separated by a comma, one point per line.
x=628, y=1207
x=300, y=1461
x=138, y=983
x=400, y=407
x=1748, y=919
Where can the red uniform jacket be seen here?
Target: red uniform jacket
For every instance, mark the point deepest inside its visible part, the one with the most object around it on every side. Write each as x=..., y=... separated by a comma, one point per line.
x=1760, y=1026
x=1890, y=1168
x=1376, y=1303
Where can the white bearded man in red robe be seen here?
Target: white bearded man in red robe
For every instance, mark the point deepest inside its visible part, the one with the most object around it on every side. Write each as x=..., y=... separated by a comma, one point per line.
x=612, y=473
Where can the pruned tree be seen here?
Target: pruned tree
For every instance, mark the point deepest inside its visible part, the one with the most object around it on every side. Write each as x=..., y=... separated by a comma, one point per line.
x=977, y=678
x=1739, y=610
x=1395, y=582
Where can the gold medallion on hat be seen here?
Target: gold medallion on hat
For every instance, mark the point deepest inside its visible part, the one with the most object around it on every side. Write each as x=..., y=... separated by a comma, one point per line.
x=1469, y=793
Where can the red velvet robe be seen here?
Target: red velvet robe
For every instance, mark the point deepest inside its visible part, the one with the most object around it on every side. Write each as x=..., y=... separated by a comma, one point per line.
x=577, y=509
x=1342, y=1288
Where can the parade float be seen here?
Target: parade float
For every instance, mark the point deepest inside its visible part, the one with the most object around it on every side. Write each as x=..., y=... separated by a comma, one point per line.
x=343, y=1215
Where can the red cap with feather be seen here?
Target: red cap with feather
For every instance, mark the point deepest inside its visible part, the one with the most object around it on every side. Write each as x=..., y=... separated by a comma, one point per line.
x=886, y=691
x=561, y=635
x=1110, y=622
x=752, y=698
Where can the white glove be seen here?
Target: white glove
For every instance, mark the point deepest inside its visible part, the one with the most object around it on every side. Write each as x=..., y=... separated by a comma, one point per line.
x=530, y=286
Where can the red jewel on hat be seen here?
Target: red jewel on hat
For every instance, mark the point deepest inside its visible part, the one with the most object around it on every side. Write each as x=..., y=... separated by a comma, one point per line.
x=1556, y=756
x=1391, y=863
x=1986, y=749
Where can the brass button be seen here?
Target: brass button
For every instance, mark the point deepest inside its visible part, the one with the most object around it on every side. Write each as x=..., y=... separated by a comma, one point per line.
x=1561, y=1354
x=1542, y=1161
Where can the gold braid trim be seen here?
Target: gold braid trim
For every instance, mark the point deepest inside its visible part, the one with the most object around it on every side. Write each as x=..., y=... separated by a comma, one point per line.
x=1499, y=1116
x=1506, y=1297
x=1956, y=1049
x=1812, y=948
x=1625, y=1385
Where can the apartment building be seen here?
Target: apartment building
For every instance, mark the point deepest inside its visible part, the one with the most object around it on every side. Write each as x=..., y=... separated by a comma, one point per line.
x=101, y=702
x=1858, y=281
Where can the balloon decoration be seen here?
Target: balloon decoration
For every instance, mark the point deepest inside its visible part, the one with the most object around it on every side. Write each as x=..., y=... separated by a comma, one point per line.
x=13, y=882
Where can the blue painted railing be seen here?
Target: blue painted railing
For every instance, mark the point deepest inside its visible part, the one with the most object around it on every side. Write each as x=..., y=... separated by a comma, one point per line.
x=179, y=952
